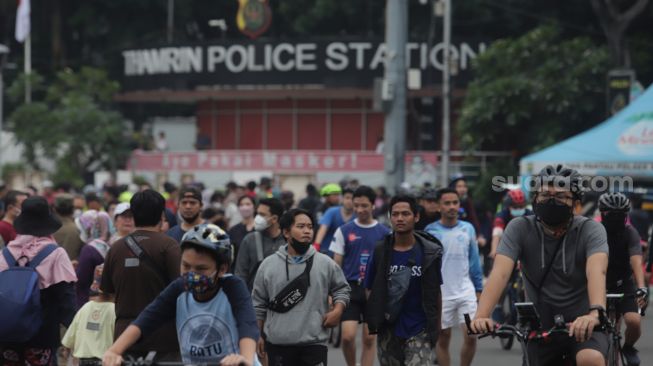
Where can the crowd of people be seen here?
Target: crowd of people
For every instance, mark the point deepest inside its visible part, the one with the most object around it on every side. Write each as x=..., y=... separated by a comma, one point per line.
x=248, y=276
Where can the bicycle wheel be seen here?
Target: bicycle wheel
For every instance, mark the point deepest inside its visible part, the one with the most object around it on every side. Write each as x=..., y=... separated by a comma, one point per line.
x=506, y=310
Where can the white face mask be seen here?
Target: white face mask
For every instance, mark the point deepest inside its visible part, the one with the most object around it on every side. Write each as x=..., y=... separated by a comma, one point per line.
x=260, y=223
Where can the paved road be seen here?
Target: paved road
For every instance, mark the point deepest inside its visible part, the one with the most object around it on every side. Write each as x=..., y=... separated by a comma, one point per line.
x=490, y=353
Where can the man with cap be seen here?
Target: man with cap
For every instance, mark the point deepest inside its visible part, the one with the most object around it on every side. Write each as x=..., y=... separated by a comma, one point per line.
x=68, y=235
x=56, y=276
x=190, y=208
x=429, y=210
x=123, y=220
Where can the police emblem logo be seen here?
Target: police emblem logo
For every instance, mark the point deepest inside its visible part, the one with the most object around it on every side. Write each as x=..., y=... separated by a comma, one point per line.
x=254, y=17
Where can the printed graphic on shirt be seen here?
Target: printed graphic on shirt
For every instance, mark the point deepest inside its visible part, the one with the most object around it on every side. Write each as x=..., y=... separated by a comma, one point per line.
x=205, y=338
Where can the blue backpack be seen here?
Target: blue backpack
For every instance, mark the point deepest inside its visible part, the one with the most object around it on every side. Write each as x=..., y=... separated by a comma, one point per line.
x=20, y=298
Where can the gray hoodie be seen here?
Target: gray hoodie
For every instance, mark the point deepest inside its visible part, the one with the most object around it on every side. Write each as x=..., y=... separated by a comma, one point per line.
x=302, y=325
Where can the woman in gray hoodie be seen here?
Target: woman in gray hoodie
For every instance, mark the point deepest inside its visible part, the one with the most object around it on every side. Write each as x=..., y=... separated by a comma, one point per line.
x=294, y=321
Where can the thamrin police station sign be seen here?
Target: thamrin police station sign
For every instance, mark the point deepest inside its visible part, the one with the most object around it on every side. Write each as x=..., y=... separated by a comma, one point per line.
x=353, y=62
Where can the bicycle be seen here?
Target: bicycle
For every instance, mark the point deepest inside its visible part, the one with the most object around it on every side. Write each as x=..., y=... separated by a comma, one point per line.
x=615, y=356
x=505, y=311
x=528, y=329
x=149, y=360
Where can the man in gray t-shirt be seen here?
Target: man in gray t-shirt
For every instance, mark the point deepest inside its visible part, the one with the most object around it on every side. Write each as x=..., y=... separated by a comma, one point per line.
x=563, y=259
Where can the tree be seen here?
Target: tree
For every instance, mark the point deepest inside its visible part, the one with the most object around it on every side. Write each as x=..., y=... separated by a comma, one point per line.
x=72, y=122
x=533, y=91
x=614, y=22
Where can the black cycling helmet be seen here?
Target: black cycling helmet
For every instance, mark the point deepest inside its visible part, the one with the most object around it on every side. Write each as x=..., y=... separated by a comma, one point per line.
x=209, y=236
x=564, y=178
x=614, y=202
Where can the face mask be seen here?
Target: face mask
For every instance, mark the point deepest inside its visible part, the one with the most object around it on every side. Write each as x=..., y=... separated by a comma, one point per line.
x=552, y=213
x=260, y=223
x=198, y=283
x=516, y=212
x=378, y=202
x=300, y=248
x=246, y=211
x=614, y=222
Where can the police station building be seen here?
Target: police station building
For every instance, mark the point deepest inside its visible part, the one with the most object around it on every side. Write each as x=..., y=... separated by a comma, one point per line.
x=315, y=96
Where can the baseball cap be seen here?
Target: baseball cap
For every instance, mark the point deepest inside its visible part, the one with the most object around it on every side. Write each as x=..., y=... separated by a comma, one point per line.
x=190, y=192
x=121, y=209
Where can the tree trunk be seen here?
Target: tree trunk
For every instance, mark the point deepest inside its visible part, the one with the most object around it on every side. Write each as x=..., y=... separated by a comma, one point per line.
x=614, y=23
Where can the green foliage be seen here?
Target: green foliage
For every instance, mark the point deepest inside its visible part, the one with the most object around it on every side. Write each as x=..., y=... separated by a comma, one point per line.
x=533, y=91
x=72, y=123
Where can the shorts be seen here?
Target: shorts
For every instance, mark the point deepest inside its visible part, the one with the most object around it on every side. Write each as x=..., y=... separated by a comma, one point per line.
x=552, y=353
x=308, y=355
x=355, y=311
x=414, y=351
x=453, y=311
x=628, y=304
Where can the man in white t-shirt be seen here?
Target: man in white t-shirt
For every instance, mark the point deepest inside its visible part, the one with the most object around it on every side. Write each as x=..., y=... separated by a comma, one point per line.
x=462, y=277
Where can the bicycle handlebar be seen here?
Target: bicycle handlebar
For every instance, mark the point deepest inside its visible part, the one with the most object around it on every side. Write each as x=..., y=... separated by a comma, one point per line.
x=505, y=330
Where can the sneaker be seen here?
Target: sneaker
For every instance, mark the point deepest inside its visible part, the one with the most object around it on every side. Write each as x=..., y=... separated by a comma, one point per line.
x=630, y=353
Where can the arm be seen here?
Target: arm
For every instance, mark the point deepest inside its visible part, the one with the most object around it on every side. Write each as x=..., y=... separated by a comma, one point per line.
x=338, y=287
x=321, y=233
x=64, y=299
x=161, y=310
x=497, y=281
x=243, y=259
x=475, y=270
x=494, y=245
x=638, y=272
x=113, y=356
x=106, y=284
x=173, y=260
x=583, y=326
x=338, y=247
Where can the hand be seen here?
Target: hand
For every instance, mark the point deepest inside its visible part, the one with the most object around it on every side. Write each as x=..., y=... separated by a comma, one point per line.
x=583, y=327
x=481, y=241
x=235, y=360
x=642, y=297
x=482, y=325
x=332, y=318
x=111, y=358
x=260, y=348
x=492, y=254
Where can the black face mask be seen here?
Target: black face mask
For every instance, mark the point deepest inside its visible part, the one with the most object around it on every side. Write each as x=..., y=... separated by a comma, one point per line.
x=552, y=213
x=614, y=222
x=300, y=248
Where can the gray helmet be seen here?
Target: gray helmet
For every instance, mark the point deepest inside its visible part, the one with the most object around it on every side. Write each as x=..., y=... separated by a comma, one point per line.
x=614, y=202
x=209, y=236
x=563, y=177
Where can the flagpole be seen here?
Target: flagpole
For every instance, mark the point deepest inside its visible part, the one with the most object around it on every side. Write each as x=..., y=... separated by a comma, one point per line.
x=28, y=69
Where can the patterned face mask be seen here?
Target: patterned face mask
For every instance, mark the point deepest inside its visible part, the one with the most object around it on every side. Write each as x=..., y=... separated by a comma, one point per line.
x=198, y=283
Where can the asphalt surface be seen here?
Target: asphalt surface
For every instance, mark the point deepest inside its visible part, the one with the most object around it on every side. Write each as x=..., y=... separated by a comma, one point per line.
x=489, y=351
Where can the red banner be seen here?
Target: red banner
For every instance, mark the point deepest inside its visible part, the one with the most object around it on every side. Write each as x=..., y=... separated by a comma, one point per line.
x=299, y=161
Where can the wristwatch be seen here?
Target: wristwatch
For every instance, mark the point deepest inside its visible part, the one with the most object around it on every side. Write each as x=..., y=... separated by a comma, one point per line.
x=599, y=308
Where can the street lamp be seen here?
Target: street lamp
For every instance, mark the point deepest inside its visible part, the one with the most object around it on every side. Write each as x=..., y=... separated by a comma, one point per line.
x=4, y=51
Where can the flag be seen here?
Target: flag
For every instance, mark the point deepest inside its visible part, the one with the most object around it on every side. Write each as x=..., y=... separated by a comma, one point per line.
x=22, y=20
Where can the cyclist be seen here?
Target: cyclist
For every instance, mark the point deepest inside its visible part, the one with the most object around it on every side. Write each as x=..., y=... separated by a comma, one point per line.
x=213, y=310
x=564, y=259
x=515, y=206
x=335, y=216
x=625, y=261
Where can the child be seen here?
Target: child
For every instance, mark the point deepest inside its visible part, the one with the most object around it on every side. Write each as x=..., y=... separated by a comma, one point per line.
x=91, y=332
x=214, y=314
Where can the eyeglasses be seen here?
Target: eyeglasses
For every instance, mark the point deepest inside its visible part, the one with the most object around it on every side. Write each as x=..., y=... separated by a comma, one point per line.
x=560, y=197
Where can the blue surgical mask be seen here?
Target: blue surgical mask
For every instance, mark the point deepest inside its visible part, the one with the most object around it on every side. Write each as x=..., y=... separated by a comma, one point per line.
x=516, y=212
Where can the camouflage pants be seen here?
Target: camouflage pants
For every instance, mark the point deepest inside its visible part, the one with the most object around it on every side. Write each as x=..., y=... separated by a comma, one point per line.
x=415, y=351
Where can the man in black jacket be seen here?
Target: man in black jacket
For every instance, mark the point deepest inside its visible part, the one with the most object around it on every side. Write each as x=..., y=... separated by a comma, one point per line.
x=407, y=329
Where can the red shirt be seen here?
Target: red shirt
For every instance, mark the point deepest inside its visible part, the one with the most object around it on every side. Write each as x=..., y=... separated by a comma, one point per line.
x=7, y=231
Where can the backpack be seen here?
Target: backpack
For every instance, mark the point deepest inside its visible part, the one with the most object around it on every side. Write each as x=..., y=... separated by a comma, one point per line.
x=20, y=298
